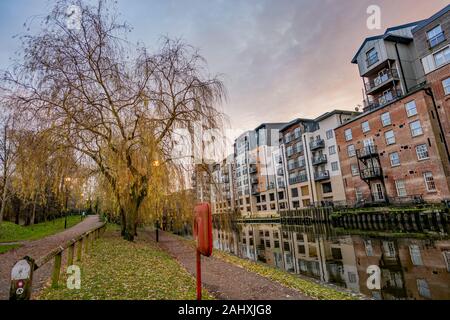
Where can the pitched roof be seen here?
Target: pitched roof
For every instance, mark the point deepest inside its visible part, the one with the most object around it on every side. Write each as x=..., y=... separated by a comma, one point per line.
x=426, y=22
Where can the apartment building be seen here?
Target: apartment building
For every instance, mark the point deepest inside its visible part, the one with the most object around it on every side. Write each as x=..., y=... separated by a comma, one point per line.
x=322, y=159
x=223, y=186
x=394, y=151
x=433, y=50
x=202, y=182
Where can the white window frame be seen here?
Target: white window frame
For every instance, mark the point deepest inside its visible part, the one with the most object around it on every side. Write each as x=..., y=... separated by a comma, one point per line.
x=365, y=126
x=415, y=132
x=385, y=124
x=392, y=137
x=332, y=150
x=335, y=166
x=348, y=134
x=446, y=57
x=430, y=184
x=421, y=153
x=398, y=158
x=353, y=150
x=329, y=134
x=416, y=257
x=446, y=86
x=356, y=171
x=411, y=108
x=400, y=188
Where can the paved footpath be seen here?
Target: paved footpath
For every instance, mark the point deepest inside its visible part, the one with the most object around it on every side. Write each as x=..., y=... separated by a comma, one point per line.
x=225, y=280
x=37, y=249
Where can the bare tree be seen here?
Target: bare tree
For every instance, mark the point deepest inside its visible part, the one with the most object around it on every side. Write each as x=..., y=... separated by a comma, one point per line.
x=115, y=103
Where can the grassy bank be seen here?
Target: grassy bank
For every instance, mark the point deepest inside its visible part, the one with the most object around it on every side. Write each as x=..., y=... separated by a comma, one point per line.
x=10, y=232
x=307, y=287
x=120, y=270
x=7, y=247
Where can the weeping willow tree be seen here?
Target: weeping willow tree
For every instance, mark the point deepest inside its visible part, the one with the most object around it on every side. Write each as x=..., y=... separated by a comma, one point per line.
x=114, y=103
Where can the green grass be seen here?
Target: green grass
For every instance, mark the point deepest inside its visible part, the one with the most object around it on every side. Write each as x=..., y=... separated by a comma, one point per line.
x=307, y=287
x=10, y=232
x=120, y=270
x=8, y=247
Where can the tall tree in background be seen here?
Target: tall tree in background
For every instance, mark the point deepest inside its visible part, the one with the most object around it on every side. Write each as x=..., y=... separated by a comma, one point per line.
x=115, y=104
x=7, y=157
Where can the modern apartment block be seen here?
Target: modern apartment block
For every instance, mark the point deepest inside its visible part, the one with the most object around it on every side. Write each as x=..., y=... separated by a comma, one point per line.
x=223, y=186
x=395, y=150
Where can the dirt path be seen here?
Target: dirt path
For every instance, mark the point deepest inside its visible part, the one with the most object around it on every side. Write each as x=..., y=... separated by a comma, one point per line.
x=37, y=249
x=225, y=280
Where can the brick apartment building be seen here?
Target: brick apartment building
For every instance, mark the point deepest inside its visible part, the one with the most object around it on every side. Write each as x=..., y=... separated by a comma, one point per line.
x=395, y=151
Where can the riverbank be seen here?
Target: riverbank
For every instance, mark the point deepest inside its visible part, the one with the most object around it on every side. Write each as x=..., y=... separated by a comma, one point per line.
x=116, y=269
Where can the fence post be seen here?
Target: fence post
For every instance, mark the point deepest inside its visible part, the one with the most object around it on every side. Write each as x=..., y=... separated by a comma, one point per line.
x=70, y=254
x=56, y=270
x=86, y=244
x=79, y=249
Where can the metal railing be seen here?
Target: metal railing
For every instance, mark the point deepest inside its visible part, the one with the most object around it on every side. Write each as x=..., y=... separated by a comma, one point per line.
x=367, y=152
x=378, y=81
x=317, y=144
x=319, y=159
x=371, y=173
x=298, y=179
x=322, y=175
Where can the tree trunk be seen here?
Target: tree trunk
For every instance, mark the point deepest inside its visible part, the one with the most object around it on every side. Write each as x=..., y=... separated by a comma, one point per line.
x=33, y=212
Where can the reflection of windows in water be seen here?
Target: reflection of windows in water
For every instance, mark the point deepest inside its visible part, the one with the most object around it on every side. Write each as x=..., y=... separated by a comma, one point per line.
x=352, y=277
x=389, y=249
x=244, y=241
x=299, y=237
x=336, y=253
x=267, y=234
x=424, y=290
x=261, y=233
x=416, y=257
x=302, y=265
x=261, y=242
x=286, y=246
x=312, y=251
x=376, y=295
x=276, y=244
x=369, y=248
x=285, y=235
x=446, y=255
x=250, y=232
x=392, y=279
x=315, y=269
x=301, y=249
x=275, y=235
x=267, y=244
x=251, y=241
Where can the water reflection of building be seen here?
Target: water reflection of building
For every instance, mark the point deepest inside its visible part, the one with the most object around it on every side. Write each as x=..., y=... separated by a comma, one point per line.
x=410, y=268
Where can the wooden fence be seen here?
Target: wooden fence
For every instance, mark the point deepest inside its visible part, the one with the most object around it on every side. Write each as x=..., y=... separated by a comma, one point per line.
x=22, y=272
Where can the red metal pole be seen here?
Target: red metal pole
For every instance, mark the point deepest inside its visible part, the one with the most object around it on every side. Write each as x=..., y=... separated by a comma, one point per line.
x=199, y=276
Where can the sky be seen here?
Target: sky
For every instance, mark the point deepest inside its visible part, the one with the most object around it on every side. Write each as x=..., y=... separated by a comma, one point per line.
x=279, y=59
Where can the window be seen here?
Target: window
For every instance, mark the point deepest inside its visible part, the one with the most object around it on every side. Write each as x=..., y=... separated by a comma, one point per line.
x=424, y=290
x=301, y=249
x=446, y=255
x=332, y=150
x=272, y=196
x=411, y=108
x=401, y=188
x=422, y=152
x=297, y=133
x=351, y=150
x=390, y=137
x=359, y=194
x=369, y=248
x=305, y=191
x=429, y=181
x=365, y=126
x=416, y=257
x=371, y=57
x=334, y=166
x=329, y=134
x=446, y=85
x=294, y=192
x=389, y=249
x=395, y=159
x=326, y=187
x=386, y=119
x=435, y=36
x=348, y=134
x=296, y=204
x=442, y=57
x=416, y=128
x=352, y=277
x=355, y=170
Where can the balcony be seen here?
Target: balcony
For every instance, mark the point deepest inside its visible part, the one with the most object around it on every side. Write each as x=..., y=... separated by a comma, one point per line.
x=281, y=184
x=255, y=191
x=367, y=152
x=372, y=59
x=437, y=39
x=382, y=81
x=317, y=144
x=280, y=172
x=382, y=101
x=225, y=179
x=322, y=175
x=254, y=181
x=252, y=168
x=371, y=173
x=318, y=160
x=279, y=159
x=298, y=179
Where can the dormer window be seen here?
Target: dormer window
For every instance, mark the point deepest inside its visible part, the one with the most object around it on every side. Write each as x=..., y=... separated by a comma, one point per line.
x=371, y=57
x=435, y=36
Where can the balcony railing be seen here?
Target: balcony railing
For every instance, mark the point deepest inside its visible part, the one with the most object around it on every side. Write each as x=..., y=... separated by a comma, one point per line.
x=371, y=60
x=281, y=184
x=382, y=101
x=371, y=173
x=437, y=39
x=252, y=169
x=380, y=80
x=319, y=160
x=322, y=175
x=298, y=179
x=254, y=181
x=317, y=144
x=367, y=152
x=280, y=172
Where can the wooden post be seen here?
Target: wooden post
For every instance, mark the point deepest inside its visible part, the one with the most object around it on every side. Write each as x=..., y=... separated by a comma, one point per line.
x=79, y=249
x=56, y=270
x=22, y=279
x=86, y=244
x=70, y=254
